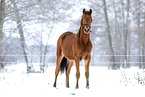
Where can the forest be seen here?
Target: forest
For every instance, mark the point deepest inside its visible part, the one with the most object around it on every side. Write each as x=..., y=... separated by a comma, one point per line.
x=29, y=30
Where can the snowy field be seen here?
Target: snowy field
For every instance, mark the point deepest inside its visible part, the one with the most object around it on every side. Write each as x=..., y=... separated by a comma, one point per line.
x=15, y=82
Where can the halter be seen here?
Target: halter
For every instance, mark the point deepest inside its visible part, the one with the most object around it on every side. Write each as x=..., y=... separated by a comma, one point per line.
x=85, y=23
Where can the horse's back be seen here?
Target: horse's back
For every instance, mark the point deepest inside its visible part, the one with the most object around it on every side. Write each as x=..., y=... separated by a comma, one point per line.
x=66, y=34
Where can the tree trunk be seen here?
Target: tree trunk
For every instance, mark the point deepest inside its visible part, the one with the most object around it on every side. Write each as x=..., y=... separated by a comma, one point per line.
x=41, y=66
x=111, y=52
x=123, y=30
x=2, y=13
x=143, y=53
x=114, y=7
x=45, y=49
x=143, y=42
x=22, y=38
x=126, y=32
x=139, y=35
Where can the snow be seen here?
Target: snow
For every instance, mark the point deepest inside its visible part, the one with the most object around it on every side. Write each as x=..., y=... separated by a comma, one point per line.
x=15, y=82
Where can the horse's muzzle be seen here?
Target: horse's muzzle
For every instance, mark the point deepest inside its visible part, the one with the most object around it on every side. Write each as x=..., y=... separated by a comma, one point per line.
x=87, y=31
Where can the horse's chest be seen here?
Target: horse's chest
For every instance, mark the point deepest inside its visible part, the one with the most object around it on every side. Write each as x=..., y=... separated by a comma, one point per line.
x=84, y=51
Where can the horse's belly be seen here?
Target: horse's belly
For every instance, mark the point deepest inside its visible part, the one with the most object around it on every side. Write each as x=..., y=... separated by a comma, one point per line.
x=68, y=54
x=67, y=45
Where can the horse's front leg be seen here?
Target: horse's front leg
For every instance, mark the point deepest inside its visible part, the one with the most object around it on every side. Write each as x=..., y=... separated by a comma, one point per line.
x=77, y=72
x=87, y=62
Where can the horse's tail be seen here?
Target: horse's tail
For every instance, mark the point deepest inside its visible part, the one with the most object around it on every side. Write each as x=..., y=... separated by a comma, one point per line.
x=63, y=65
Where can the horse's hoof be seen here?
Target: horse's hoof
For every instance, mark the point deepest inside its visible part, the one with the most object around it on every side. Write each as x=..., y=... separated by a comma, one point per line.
x=87, y=87
x=67, y=86
x=54, y=85
x=77, y=87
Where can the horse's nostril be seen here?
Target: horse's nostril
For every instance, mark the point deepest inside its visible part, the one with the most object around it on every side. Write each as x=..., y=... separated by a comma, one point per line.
x=87, y=30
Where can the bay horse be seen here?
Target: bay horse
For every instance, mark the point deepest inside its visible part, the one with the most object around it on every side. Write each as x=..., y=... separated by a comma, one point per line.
x=75, y=47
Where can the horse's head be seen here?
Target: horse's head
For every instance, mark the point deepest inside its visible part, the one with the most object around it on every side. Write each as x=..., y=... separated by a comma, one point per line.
x=86, y=20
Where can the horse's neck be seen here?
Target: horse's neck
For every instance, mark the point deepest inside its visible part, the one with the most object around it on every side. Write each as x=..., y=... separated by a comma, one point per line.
x=83, y=38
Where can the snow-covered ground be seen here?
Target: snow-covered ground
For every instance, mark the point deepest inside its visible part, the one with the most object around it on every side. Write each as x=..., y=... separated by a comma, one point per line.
x=15, y=82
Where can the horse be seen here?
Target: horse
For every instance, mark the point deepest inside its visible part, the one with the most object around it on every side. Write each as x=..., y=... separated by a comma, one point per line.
x=75, y=47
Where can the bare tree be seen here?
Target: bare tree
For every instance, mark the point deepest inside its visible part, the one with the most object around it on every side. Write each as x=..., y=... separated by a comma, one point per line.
x=111, y=52
x=2, y=16
x=21, y=33
x=126, y=31
x=140, y=31
x=143, y=42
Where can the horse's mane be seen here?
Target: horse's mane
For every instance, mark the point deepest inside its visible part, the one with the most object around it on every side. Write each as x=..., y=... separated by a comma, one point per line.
x=79, y=33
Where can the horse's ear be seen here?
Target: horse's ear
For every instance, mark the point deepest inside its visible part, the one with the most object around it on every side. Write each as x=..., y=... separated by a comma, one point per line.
x=90, y=10
x=84, y=10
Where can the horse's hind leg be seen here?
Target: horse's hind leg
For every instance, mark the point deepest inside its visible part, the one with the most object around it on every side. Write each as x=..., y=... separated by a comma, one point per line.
x=87, y=62
x=57, y=69
x=59, y=58
x=68, y=72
